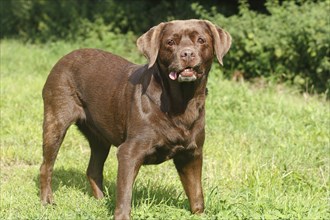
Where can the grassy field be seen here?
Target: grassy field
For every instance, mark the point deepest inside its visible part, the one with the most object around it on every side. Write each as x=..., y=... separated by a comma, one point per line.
x=266, y=151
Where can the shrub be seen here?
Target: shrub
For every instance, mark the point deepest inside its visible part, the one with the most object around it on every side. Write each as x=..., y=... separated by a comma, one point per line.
x=290, y=44
x=41, y=20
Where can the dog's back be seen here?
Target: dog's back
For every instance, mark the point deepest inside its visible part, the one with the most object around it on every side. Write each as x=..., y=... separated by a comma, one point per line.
x=90, y=80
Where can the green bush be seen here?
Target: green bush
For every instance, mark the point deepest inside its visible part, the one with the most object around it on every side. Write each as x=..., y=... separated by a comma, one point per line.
x=290, y=44
x=42, y=20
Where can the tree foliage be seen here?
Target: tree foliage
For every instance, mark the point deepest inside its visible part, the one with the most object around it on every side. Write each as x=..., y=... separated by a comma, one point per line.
x=44, y=20
x=288, y=41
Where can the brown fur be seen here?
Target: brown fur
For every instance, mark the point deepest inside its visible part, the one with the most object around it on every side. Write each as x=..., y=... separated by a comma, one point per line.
x=139, y=109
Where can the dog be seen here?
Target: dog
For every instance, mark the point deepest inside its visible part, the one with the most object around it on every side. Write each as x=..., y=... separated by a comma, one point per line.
x=151, y=113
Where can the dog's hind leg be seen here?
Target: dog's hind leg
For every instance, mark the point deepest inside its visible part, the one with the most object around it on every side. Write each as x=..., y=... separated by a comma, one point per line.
x=60, y=111
x=53, y=134
x=99, y=153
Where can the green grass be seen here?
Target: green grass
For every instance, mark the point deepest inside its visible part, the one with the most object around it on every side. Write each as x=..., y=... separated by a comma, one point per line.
x=266, y=151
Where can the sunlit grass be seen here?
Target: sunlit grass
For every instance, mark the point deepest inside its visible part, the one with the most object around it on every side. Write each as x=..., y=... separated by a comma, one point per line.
x=266, y=152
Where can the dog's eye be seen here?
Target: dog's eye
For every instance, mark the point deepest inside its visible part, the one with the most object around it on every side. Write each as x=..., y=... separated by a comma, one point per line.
x=201, y=40
x=170, y=42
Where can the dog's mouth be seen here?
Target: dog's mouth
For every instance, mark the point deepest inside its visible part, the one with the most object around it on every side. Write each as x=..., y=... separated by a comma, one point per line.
x=185, y=75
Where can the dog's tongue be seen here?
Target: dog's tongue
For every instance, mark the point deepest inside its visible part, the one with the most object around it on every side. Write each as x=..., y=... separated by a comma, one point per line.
x=173, y=75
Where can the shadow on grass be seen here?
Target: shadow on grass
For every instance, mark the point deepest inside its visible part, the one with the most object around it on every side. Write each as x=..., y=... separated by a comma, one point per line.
x=160, y=194
x=150, y=195
x=71, y=178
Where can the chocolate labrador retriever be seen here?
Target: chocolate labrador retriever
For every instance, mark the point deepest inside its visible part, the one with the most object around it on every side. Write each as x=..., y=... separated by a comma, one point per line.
x=152, y=113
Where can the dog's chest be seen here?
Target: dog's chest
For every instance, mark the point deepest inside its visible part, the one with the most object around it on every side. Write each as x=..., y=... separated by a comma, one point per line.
x=177, y=135
x=159, y=154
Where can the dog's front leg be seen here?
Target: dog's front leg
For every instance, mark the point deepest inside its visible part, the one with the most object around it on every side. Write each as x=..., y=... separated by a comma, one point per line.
x=190, y=172
x=129, y=163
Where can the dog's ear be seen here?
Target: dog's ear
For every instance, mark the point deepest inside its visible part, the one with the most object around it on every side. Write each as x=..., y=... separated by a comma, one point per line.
x=221, y=41
x=149, y=43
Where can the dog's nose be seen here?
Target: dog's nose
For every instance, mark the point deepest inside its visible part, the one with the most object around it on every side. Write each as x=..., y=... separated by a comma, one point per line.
x=187, y=54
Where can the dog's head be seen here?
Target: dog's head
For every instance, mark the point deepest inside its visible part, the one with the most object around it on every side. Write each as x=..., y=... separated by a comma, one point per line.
x=184, y=49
